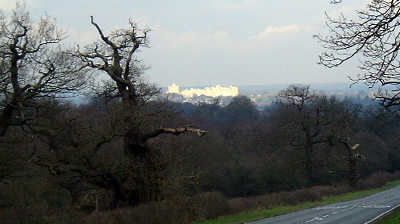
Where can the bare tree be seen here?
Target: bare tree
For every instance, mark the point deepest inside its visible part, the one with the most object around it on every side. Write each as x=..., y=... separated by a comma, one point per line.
x=301, y=115
x=315, y=122
x=373, y=38
x=132, y=125
x=115, y=55
x=32, y=65
x=296, y=95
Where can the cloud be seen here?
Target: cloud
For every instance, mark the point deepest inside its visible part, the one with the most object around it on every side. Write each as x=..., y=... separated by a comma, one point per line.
x=273, y=30
x=229, y=6
x=193, y=42
x=81, y=38
x=8, y=5
x=222, y=42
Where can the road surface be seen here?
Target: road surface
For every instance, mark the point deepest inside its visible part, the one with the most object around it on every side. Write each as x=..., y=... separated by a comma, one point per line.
x=361, y=211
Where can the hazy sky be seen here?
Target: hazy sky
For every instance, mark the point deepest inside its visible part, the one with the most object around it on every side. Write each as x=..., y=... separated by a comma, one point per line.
x=208, y=42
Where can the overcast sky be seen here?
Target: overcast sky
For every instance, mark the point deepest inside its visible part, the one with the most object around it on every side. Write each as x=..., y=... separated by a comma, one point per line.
x=209, y=42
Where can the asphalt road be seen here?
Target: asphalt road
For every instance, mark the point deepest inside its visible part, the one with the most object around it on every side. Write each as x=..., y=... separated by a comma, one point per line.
x=361, y=211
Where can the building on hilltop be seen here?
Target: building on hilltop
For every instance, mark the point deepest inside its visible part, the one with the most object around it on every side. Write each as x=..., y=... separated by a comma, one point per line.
x=214, y=91
x=173, y=89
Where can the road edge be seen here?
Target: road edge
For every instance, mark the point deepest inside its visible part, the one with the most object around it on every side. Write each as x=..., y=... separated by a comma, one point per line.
x=382, y=215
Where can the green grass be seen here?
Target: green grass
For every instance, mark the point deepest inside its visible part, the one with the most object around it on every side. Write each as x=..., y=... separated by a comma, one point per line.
x=257, y=215
x=393, y=218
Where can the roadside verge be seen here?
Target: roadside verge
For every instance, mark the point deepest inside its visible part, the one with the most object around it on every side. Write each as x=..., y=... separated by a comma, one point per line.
x=266, y=213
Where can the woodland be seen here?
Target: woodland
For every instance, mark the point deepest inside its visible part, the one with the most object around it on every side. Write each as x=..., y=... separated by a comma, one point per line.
x=129, y=155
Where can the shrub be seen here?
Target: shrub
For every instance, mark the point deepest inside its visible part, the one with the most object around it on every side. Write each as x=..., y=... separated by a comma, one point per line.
x=156, y=212
x=179, y=210
x=377, y=180
x=244, y=204
x=210, y=205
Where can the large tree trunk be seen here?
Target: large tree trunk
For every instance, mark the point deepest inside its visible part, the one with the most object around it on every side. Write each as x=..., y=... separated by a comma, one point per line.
x=352, y=163
x=309, y=148
x=149, y=179
x=5, y=119
x=309, y=168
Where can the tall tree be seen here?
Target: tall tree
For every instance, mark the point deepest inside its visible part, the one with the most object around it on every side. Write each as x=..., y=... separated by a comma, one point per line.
x=315, y=121
x=114, y=54
x=300, y=114
x=131, y=122
x=33, y=65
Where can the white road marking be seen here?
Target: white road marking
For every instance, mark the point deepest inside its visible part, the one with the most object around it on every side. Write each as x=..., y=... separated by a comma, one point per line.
x=315, y=219
x=344, y=208
x=331, y=207
x=376, y=206
x=353, y=206
x=379, y=216
x=334, y=213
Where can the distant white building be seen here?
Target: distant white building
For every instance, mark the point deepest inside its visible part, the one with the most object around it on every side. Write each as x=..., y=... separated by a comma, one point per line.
x=208, y=91
x=173, y=89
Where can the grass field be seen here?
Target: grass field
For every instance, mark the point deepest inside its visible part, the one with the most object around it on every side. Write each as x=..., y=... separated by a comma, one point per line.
x=257, y=215
x=393, y=218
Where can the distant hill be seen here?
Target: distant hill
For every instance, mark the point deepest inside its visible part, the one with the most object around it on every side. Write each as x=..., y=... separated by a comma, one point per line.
x=271, y=88
x=325, y=87
x=265, y=94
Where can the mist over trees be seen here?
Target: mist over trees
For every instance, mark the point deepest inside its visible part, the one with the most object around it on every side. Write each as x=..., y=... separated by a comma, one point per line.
x=129, y=148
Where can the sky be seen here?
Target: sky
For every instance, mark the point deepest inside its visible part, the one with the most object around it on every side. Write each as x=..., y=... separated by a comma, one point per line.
x=210, y=42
